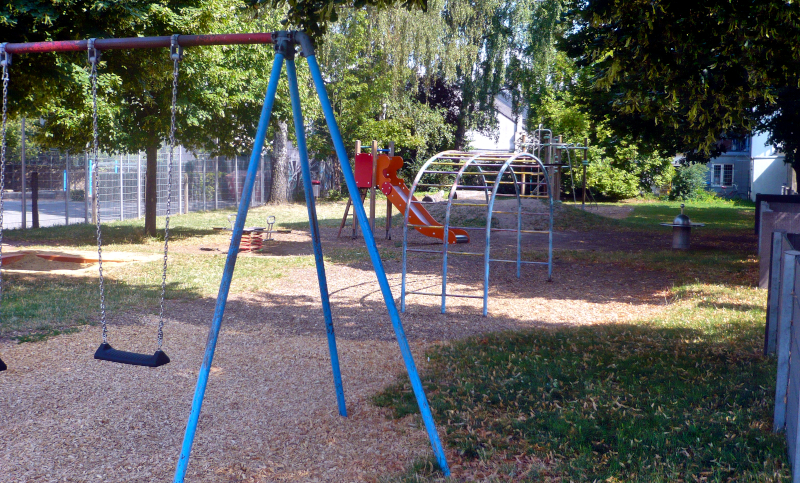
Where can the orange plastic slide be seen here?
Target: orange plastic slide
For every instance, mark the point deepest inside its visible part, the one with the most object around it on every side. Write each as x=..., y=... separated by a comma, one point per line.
x=398, y=193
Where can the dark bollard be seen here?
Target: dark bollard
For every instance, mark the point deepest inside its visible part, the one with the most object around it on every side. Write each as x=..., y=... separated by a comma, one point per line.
x=681, y=229
x=35, y=199
x=680, y=237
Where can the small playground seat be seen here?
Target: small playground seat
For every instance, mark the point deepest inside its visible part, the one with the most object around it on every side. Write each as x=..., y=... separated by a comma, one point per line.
x=107, y=353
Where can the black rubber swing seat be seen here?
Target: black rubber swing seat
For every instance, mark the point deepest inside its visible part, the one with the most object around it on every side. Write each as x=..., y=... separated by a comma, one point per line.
x=3, y=365
x=107, y=353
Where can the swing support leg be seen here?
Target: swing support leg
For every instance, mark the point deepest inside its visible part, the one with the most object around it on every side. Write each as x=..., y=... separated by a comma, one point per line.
x=372, y=248
x=227, y=275
x=299, y=130
x=285, y=45
x=344, y=218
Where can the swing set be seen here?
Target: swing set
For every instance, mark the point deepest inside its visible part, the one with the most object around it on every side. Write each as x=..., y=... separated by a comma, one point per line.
x=285, y=44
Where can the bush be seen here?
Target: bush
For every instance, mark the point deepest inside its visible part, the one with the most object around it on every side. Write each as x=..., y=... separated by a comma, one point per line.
x=76, y=195
x=336, y=195
x=689, y=183
x=612, y=183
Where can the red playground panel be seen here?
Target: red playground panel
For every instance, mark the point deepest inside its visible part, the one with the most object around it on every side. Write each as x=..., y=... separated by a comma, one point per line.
x=364, y=170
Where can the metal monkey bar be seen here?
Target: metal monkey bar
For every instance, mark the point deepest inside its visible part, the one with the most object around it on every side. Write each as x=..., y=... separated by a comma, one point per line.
x=491, y=173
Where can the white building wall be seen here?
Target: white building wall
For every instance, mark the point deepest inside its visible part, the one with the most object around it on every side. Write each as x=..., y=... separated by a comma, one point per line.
x=769, y=172
x=760, y=148
x=505, y=141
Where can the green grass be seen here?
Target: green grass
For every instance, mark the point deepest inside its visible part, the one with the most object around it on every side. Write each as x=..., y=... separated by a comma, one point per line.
x=720, y=215
x=42, y=304
x=684, y=397
x=732, y=268
x=38, y=306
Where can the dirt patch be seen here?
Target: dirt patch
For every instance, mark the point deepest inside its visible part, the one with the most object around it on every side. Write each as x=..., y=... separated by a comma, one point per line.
x=281, y=244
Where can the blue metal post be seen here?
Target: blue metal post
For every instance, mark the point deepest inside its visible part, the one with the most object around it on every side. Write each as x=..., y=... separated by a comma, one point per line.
x=519, y=224
x=299, y=130
x=549, y=227
x=369, y=240
x=446, y=238
x=487, y=250
x=225, y=284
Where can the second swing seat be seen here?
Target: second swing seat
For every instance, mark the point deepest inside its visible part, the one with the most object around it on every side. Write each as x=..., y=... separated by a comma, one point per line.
x=107, y=353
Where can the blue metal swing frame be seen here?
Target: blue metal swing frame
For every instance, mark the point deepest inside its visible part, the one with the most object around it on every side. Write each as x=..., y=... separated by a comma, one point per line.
x=285, y=47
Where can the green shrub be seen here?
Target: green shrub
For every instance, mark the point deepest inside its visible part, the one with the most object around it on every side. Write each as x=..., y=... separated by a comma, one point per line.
x=690, y=183
x=335, y=195
x=612, y=183
x=76, y=195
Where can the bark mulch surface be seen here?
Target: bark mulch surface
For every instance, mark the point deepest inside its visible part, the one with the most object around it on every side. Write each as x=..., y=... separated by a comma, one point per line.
x=270, y=409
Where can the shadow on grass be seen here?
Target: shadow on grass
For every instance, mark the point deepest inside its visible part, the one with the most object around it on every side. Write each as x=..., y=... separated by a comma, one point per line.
x=729, y=306
x=636, y=403
x=36, y=307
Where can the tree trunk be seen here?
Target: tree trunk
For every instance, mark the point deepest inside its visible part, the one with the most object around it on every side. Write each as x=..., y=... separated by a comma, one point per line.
x=280, y=165
x=151, y=190
x=335, y=168
x=461, y=129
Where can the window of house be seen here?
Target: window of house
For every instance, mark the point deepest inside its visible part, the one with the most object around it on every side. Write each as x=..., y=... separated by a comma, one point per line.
x=721, y=175
x=735, y=144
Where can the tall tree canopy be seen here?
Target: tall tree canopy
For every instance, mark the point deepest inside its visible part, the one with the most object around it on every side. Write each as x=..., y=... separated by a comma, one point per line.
x=680, y=76
x=221, y=88
x=475, y=49
x=314, y=16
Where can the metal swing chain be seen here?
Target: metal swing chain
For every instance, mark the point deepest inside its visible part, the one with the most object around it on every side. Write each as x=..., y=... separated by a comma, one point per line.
x=5, y=61
x=176, y=53
x=94, y=59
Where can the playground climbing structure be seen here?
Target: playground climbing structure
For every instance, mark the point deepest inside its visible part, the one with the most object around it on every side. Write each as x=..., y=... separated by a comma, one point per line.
x=558, y=156
x=497, y=176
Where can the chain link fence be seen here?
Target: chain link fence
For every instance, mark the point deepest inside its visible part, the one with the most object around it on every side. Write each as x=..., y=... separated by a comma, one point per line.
x=199, y=183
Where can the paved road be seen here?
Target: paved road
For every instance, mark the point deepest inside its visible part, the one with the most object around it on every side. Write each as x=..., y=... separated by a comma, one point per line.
x=51, y=213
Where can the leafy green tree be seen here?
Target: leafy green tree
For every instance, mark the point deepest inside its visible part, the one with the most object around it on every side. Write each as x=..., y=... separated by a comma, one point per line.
x=610, y=182
x=689, y=183
x=138, y=80
x=620, y=167
x=314, y=17
x=679, y=76
x=372, y=97
x=221, y=88
x=480, y=49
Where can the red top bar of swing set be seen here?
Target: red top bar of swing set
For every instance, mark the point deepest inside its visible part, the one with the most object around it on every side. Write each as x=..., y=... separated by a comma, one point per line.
x=139, y=43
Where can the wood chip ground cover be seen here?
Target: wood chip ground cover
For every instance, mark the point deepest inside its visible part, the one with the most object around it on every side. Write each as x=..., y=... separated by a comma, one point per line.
x=270, y=411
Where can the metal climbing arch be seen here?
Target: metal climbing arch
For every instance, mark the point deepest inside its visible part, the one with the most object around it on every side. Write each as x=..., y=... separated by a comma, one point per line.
x=498, y=175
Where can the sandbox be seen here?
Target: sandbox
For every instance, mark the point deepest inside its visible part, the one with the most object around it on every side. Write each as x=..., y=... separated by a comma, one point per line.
x=65, y=262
